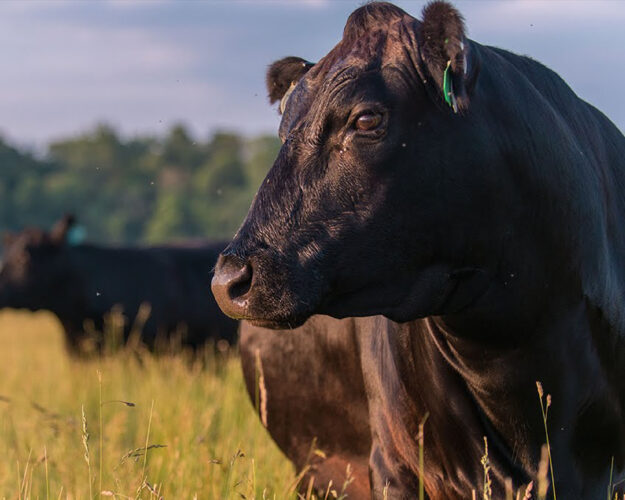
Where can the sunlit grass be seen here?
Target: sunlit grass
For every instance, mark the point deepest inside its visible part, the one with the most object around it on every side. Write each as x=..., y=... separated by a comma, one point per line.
x=135, y=426
x=200, y=440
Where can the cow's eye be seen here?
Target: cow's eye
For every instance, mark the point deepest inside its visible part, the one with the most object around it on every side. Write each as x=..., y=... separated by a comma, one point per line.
x=368, y=121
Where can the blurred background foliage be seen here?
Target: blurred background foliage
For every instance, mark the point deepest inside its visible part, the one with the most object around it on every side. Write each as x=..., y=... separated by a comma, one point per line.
x=139, y=190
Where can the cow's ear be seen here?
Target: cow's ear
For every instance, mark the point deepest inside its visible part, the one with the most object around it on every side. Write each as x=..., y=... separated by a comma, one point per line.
x=444, y=51
x=283, y=75
x=8, y=238
x=58, y=233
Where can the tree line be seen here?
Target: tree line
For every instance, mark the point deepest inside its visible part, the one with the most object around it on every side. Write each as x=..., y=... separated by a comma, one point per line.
x=139, y=190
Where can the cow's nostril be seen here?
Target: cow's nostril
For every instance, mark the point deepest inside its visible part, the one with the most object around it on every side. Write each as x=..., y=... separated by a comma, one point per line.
x=240, y=283
x=231, y=282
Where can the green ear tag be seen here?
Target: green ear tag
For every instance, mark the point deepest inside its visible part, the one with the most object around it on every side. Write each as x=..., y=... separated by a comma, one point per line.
x=448, y=89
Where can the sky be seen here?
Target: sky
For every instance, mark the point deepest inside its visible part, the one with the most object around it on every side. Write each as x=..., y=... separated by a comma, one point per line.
x=144, y=65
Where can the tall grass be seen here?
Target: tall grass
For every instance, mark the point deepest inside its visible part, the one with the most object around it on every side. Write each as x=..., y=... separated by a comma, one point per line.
x=166, y=427
x=197, y=441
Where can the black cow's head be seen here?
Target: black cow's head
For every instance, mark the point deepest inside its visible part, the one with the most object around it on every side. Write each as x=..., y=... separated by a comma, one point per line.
x=374, y=203
x=33, y=271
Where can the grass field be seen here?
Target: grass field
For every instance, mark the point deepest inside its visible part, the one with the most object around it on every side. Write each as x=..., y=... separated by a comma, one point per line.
x=203, y=438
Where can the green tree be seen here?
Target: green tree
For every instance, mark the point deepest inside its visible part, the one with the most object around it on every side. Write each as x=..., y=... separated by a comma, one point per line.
x=139, y=189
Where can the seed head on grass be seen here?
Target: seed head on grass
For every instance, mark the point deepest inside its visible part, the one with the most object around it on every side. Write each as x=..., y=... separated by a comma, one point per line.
x=154, y=490
x=137, y=453
x=126, y=403
x=349, y=478
x=85, y=435
x=227, y=487
x=488, y=492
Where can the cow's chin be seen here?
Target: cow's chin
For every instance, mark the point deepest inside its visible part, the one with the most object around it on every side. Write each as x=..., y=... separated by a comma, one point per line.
x=435, y=290
x=278, y=324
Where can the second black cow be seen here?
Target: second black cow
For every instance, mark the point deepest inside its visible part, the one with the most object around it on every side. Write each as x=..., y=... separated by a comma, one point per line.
x=81, y=284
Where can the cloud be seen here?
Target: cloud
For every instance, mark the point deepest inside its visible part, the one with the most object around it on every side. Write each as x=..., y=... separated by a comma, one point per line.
x=315, y=4
x=135, y=4
x=564, y=11
x=143, y=64
x=21, y=6
x=65, y=74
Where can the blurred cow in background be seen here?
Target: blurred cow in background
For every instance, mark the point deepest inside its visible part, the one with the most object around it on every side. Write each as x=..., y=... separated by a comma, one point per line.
x=159, y=293
x=307, y=385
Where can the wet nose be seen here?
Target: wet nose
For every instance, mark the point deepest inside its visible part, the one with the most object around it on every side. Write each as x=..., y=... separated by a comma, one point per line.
x=231, y=283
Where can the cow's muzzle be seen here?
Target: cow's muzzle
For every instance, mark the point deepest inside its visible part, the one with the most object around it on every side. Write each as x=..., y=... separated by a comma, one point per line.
x=231, y=285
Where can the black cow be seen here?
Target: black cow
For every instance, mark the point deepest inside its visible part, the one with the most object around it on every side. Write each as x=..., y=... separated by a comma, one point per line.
x=82, y=283
x=469, y=194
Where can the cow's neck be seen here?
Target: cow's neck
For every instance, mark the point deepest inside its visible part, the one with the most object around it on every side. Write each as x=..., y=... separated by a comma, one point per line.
x=411, y=375
x=570, y=349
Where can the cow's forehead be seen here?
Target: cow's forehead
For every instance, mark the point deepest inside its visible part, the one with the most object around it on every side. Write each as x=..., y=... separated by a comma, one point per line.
x=371, y=41
x=371, y=50
x=310, y=98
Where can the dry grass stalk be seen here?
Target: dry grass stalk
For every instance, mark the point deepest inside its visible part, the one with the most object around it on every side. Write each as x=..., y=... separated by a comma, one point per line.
x=610, y=485
x=421, y=457
x=293, y=486
x=262, y=390
x=528, y=491
x=309, y=490
x=509, y=492
x=543, y=472
x=26, y=482
x=101, y=456
x=328, y=490
x=45, y=459
x=545, y=412
x=145, y=455
x=85, y=444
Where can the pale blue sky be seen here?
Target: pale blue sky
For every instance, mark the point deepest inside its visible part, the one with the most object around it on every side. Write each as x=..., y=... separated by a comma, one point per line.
x=142, y=65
